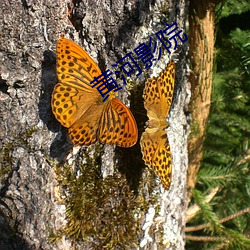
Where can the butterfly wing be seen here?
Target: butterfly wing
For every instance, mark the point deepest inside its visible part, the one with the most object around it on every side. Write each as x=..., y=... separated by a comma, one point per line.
x=117, y=125
x=85, y=130
x=158, y=93
x=80, y=107
x=73, y=96
x=74, y=66
x=156, y=153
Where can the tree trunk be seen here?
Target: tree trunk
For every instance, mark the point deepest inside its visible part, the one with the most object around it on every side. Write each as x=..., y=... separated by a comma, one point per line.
x=201, y=21
x=54, y=195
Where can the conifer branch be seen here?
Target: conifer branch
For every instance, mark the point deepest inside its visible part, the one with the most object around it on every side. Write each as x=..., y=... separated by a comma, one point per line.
x=205, y=238
x=194, y=209
x=245, y=159
x=230, y=217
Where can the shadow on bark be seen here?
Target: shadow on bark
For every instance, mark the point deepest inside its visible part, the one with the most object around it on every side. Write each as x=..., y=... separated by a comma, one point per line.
x=61, y=145
x=130, y=159
x=9, y=239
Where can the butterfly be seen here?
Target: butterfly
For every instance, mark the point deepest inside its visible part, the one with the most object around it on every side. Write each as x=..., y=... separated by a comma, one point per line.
x=81, y=109
x=157, y=95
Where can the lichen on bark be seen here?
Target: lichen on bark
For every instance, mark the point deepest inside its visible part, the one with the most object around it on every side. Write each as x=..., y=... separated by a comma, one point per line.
x=36, y=149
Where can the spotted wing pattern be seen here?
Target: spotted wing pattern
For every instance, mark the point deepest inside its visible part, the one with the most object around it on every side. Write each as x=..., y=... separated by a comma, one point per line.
x=80, y=108
x=158, y=93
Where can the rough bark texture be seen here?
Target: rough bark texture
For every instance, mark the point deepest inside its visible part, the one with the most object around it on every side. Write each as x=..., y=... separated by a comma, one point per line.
x=201, y=23
x=32, y=142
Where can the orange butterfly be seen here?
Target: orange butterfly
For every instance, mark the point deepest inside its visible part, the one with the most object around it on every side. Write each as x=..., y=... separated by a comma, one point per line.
x=79, y=107
x=158, y=93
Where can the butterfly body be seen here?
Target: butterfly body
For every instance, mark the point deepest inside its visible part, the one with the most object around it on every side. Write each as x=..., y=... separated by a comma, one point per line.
x=80, y=108
x=158, y=93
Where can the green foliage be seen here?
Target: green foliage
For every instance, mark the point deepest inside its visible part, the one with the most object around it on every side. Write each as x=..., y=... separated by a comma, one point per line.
x=226, y=153
x=230, y=7
x=207, y=211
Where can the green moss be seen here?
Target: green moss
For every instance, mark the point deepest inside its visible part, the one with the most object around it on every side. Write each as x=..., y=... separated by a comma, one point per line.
x=19, y=140
x=105, y=212
x=5, y=161
x=195, y=129
x=28, y=133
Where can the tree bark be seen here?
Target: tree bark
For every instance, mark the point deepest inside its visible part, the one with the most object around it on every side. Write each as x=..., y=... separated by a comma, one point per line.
x=43, y=187
x=201, y=21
